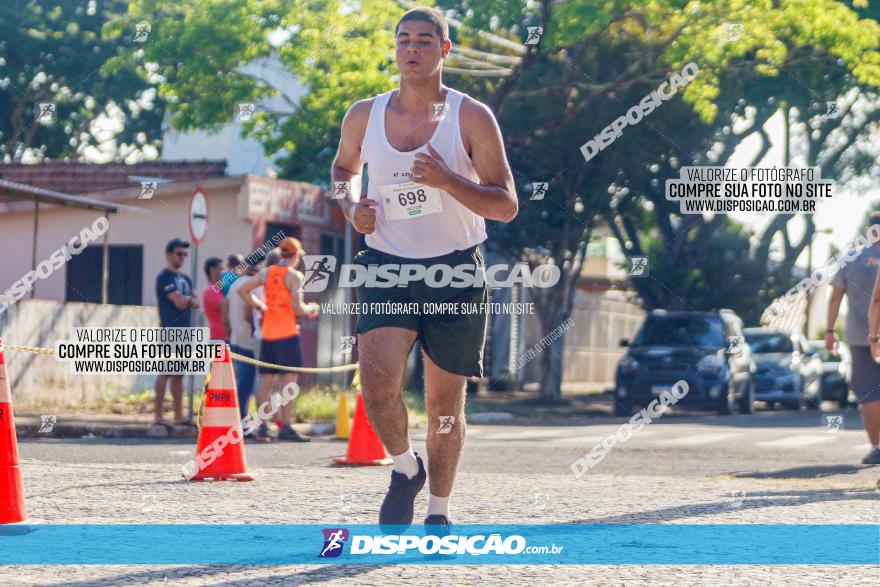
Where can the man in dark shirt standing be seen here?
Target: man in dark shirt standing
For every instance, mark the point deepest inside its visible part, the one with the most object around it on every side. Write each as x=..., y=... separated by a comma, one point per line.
x=175, y=297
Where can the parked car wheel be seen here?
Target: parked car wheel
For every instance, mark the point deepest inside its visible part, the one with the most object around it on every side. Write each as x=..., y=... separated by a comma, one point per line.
x=815, y=400
x=727, y=403
x=747, y=401
x=796, y=405
x=622, y=408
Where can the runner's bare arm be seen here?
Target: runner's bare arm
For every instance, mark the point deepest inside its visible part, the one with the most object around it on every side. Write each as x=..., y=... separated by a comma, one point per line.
x=224, y=316
x=293, y=281
x=248, y=314
x=250, y=285
x=180, y=302
x=874, y=318
x=495, y=196
x=833, y=309
x=347, y=166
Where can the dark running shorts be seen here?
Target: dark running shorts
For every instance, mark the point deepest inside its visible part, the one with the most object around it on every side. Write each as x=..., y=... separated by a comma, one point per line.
x=454, y=341
x=865, y=381
x=284, y=351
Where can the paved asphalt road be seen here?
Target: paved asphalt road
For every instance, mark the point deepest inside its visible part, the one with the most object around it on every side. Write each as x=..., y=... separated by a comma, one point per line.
x=682, y=468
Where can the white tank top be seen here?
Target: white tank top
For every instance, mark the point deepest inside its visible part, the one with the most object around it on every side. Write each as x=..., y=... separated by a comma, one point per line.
x=455, y=227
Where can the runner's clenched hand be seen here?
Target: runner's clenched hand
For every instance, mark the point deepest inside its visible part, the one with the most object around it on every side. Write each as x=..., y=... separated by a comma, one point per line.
x=431, y=170
x=363, y=215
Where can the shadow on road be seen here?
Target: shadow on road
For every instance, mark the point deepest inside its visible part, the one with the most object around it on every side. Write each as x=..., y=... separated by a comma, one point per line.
x=750, y=501
x=304, y=577
x=804, y=472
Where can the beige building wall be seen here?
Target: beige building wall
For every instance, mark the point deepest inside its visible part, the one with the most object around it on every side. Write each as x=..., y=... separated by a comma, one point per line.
x=166, y=217
x=40, y=381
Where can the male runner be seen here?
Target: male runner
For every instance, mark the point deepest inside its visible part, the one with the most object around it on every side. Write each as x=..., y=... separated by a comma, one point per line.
x=279, y=330
x=457, y=162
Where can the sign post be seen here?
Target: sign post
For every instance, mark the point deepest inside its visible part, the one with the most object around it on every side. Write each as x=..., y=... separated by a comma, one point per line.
x=198, y=227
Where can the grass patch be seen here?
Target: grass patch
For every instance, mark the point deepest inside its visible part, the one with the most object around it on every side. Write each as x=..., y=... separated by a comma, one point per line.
x=319, y=404
x=315, y=404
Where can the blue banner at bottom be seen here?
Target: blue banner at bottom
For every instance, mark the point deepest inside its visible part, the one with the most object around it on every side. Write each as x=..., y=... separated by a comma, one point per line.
x=582, y=544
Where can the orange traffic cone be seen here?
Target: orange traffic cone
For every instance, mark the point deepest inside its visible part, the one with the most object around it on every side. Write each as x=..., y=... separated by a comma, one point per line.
x=364, y=446
x=343, y=426
x=11, y=492
x=220, y=449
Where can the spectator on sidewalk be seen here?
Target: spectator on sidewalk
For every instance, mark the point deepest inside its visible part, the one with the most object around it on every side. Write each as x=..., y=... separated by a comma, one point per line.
x=212, y=298
x=280, y=329
x=856, y=280
x=175, y=298
x=257, y=313
x=235, y=267
x=238, y=320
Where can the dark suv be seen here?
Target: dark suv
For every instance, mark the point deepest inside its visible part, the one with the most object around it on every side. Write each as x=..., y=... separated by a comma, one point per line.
x=706, y=349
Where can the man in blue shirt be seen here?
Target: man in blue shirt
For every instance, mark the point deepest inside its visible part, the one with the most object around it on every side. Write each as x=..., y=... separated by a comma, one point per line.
x=175, y=298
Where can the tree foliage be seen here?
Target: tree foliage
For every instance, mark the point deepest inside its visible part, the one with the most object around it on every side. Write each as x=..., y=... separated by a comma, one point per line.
x=53, y=51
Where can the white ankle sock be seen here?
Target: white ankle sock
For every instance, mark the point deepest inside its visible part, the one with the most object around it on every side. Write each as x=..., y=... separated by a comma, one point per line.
x=406, y=463
x=438, y=505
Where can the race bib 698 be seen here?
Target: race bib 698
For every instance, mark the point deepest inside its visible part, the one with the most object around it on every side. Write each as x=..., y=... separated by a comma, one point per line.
x=403, y=201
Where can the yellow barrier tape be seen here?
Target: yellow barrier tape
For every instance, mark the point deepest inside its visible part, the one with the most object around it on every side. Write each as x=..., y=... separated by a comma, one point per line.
x=30, y=349
x=236, y=356
x=338, y=369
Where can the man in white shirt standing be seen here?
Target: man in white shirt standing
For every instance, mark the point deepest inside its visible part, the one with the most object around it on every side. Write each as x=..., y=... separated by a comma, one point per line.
x=238, y=321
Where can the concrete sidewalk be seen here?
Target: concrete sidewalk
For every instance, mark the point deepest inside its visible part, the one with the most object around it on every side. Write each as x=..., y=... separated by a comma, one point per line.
x=30, y=425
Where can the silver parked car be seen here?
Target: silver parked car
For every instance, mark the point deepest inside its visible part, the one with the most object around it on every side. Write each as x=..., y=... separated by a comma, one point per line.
x=836, y=369
x=787, y=368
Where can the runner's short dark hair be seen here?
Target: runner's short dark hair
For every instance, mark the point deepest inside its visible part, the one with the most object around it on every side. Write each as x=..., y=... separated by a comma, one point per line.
x=272, y=257
x=234, y=260
x=426, y=14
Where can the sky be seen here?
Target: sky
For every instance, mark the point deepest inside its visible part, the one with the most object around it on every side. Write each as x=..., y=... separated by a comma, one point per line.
x=843, y=213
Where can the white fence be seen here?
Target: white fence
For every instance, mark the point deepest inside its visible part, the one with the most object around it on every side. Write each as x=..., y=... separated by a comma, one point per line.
x=42, y=381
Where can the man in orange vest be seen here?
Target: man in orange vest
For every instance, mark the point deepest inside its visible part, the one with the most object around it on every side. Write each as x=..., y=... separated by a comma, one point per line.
x=279, y=329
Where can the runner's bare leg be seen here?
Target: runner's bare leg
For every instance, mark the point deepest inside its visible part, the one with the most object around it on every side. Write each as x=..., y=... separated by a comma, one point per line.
x=159, y=399
x=267, y=383
x=176, y=384
x=382, y=358
x=287, y=409
x=444, y=396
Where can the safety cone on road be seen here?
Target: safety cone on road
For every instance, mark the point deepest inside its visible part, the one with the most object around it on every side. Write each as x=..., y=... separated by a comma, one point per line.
x=11, y=492
x=343, y=426
x=220, y=428
x=364, y=446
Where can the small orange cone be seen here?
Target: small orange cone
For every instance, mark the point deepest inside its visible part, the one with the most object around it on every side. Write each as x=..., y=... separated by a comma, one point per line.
x=220, y=428
x=343, y=425
x=11, y=493
x=364, y=446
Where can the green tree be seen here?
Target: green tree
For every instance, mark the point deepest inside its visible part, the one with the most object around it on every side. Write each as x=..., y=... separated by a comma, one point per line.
x=53, y=51
x=583, y=77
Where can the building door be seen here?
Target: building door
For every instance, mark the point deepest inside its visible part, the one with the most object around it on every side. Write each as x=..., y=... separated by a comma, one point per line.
x=273, y=228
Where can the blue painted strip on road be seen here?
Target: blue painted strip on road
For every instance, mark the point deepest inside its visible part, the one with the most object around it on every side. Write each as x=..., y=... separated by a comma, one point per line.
x=591, y=544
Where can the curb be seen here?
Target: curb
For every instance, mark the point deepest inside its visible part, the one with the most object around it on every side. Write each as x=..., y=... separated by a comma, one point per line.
x=28, y=429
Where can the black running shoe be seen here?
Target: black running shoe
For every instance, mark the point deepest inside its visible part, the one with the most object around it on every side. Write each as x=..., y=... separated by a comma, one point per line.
x=873, y=457
x=263, y=433
x=397, y=508
x=290, y=434
x=438, y=525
